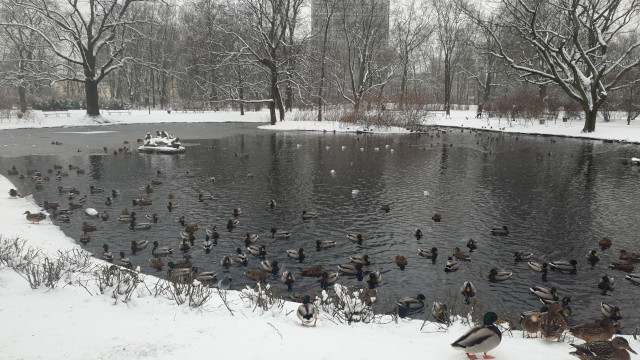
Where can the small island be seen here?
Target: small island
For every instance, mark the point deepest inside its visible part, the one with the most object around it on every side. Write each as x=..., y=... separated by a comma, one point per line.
x=162, y=143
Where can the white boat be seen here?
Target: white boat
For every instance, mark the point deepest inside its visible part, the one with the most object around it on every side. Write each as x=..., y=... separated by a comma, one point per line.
x=162, y=143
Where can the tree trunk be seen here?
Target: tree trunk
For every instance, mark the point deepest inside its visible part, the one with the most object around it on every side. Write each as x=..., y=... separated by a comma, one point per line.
x=22, y=94
x=590, y=120
x=241, y=96
x=272, y=112
x=91, y=92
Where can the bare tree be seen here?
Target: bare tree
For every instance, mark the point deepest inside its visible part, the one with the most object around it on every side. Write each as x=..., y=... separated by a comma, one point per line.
x=573, y=45
x=327, y=9
x=85, y=39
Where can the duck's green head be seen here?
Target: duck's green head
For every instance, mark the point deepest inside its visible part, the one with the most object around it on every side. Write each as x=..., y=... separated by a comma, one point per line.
x=230, y=222
x=318, y=243
x=105, y=247
x=490, y=318
x=605, y=279
x=194, y=269
x=573, y=262
x=274, y=264
x=494, y=272
x=301, y=251
x=273, y=230
x=133, y=243
x=593, y=253
x=155, y=244
x=366, y=258
x=170, y=265
x=434, y=250
x=121, y=254
x=545, y=265
x=420, y=297
x=358, y=266
x=239, y=251
x=544, y=309
x=359, y=236
x=307, y=299
x=566, y=301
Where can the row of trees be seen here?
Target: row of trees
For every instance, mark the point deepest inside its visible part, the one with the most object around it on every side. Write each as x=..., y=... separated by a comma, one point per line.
x=195, y=53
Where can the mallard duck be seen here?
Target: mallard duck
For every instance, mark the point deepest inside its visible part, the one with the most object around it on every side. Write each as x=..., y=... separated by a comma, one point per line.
x=13, y=171
x=73, y=206
x=417, y=233
x=133, y=225
x=259, y=251
x=213, y=233
x=124, y=261
x=203, y=197
x=605, y=243
x=437, y=217
x=156, y=262
x=545, y=293
x=500, y=231
x=225, y=284
x=323, y=244
x=357, y=238
x=327, y=279
x=250, y=238
x=522, y=255
x=204, y=276
x=564, y=265
x=35, y=218
x=241, y=258
x=401, y=261
x=440, y=312
x=236, y=212
x=306, y=215
x=374, y=279
x=610, y=311
x=153, y=218
x=232, y=224
x=602, y=329
x=13, y=193
x=115, y=193
x=156, y=182
x=362, y=259
x=184, y=263
x=272, y=203
x=351, y=269
x=207, y=245
x=95, y=190
x=553, y=323
x=106, y=254
x=634, y=278
x=288, y=279
x=606, y=283
x=256, y=275
x=86, y=227
x=270, y=266
x=315, y=271
x=480, y=339
x=451, y=265
x=385, y=207
x=85, y=238
x=472, y=245
x=142, y=202
x=461, y=255
x=629, y=256
x=564, y=303
x=171, y=206
x=592, y=257
x=160, y=251
x=190, y=237
x=299, y=254
x=148, y=189
x=307, y=312
x=495, y=275
x=185, y=246
x=615, y=349
x=50, y=205
x=226, y=261
x=280, y=234
x=468, y=291
x=178, y=274
x=181, y=220
x=104, y=216
x=428, y=253
x=189, y=228
x=530, y=322
x=299, y=298
x=409, y=304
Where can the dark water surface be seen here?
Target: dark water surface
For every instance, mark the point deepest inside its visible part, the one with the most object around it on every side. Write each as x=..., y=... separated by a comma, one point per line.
x=557, y=196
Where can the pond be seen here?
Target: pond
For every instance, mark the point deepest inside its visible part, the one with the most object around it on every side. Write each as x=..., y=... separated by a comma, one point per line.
x=558, y=197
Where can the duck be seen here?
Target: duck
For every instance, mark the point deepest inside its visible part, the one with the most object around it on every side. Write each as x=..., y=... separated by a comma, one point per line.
x=327, y=279
x=428, y=253
x=592, y=257
x=351, y=269
x=374, y=279
x=259, y=251
x=35, y=218
x=225, y=284
x=540, y=267
x=184, y=263
x=472, y=245
x=13, y=193
x=564, y=265
x=564, y=302
x=184, y=246
x=553, y=323
x=241, y=258
x=440, y=312
x=629, y=256
x=236, y=212
x=362, y=259
x=299, y=254
x=306, y=215
x=106, y=254
x=495, y=275
x=480, y=339
x=288, y=279
x=385, y=207
x=232, y=224
x=148, y=189
x=86, y=227
x=207, y=245
x=634, y=278
x=270, y=266
x=417, y=233
x=153, y=218
x=500, y=231
x=272, y=203
x=605, y=243
x=190, y=237
x=85, y=238
x=468, y=291
x=104, y=216
x=461, y=255
x=451, y=265
x=401, y=261
x=606, y=283
x=280, y=234
x=124, y=261
x=226, y=261
x=522, y=255
x=156, y=262
x=437, y=217
x=115, y=193
x=307, y=312
x=189, y=228
x=250, y=238
x=94, y=190
x=410, y=304
x=171, y=206
x=178, y=274
x=214, y=234
x=156, y=182
x=73, y=206
x=142, y=202
x=610, y=311
x=203, y=197
x=615, y=349
x=315, y=271
x=357, y=238
x=530, y=322
x=50, y=205
x=256, y=275
x=602, y=329
x=323, y=244
x=160, y=251
x=545, y=293
x=133, y=225
x=204, y=276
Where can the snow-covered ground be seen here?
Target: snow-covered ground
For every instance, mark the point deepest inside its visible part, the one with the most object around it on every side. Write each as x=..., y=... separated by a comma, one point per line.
x=75, y=321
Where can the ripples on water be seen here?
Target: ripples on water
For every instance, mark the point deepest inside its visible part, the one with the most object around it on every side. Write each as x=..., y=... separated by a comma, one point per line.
x=558, y=198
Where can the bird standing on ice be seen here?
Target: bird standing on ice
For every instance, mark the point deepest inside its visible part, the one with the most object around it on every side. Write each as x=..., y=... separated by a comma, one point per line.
x=481, y=338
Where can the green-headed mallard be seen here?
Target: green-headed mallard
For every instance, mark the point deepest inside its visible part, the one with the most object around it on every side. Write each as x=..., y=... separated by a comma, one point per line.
x=156, y=262
x=232, y=224
x=323, y=244
x=472, y=245
x=279, y=234
x=495, y=275
x=272, y=203
x=401, y=261
x=207, y=245
x=125, y=216
x=250, y=238
x=241, y=258
x=480, y=339
x=374, y=279
x=259, y=251
x=428, y=253
x=468, y=291
x=299, y=254
x=610, y=311
x=184, y=246
x=451, y=265
x=592, y=257
x=545, y=293
x=171, y=206
x=188, y=236
x=327, y=279
x=214, y=234
x=409, y=304
x=315, y=271
x=629, y=256
x=500, y=231
x=204, y=276
x=634, y=278
x=306, y=215
x=605, y=243
x=307, y=312
x=178, y=274
x=553, y=323
x=256, y=275
x=142, y=202
x=236, y=212
x=602, y=329
x=13, y=193
x=226, y=261
x=440, y=312
x=106, y=254
x=357, y=238
x=133, y=225
x=530, y=322
x=362, y=259
x=270, y=266
x=351, y=269
x=95, y=190
x=288, y=279
x=203, y=197
x=522, y=255
x=606, y=283
x=564, y=265
x=461, y=255
x=124, y=261
x=615, y=349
